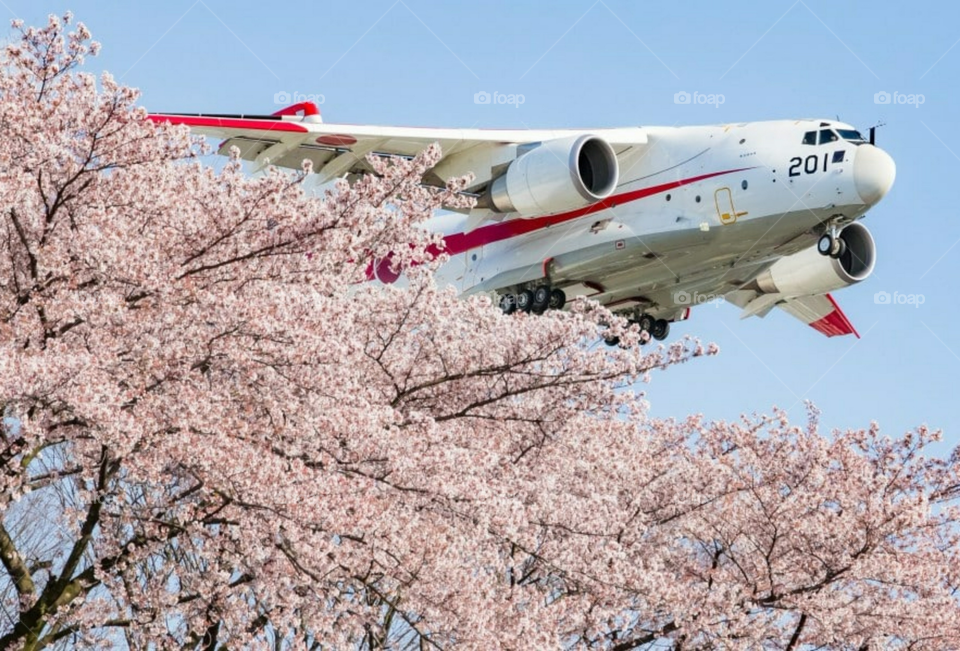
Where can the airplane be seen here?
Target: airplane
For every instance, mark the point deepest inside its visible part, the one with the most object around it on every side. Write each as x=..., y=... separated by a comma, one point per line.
x=648, y=221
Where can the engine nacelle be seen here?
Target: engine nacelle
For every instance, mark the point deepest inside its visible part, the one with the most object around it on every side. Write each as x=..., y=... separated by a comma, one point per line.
x=809, y=272
x=556, y=176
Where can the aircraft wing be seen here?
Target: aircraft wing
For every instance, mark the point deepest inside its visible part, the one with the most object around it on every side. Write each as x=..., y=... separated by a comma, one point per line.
x=820, y=312
x=296, y=133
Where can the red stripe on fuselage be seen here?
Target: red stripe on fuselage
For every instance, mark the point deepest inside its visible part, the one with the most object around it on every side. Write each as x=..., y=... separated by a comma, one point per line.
x=461, y=242
x=456, y=243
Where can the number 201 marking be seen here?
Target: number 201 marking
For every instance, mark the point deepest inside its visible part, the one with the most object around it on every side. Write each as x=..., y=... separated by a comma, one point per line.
x=811, y=164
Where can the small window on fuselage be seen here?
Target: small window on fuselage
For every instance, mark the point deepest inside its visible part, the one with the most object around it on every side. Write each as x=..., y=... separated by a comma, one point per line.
x=826, y=136
x=810, y=138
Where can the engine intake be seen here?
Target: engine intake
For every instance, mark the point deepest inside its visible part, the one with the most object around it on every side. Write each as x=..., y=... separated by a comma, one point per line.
x=556, y=176
x=808, y=272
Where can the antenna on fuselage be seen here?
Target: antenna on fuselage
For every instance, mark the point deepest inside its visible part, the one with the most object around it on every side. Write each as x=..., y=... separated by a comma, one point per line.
x=873, y=132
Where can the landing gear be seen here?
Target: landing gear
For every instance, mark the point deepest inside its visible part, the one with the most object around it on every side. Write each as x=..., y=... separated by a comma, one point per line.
x=557, y=299
x=831, y=244
x=646, y=322
x=541, y=299
x=825, y=244
x=841, y=249
x=537, y=300
x=660, y=330
x=525, y=300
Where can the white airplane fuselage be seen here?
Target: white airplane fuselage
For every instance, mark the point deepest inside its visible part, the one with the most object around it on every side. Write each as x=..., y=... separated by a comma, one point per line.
x=697, y=213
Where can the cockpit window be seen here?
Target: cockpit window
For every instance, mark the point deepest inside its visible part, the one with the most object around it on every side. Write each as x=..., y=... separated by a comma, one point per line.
x=851, y=135
x=810, y=138
x=826, y=135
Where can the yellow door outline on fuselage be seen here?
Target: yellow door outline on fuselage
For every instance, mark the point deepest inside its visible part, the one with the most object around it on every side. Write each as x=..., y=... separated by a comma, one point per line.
x=727, y=213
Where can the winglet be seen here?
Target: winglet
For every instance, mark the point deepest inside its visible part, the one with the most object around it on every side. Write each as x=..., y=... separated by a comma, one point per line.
x=306, y=109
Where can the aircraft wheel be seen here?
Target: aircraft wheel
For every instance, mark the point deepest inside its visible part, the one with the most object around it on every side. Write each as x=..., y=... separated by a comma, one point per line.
x=557, y=299
x=611, y=341
x=661, y=329
x=541, y=299
x=646, y=322
x=826, y=244
x=525, y=300
x=508, y=303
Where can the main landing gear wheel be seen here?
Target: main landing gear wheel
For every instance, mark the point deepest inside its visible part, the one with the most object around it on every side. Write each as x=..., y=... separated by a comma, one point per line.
x=557, y=299
x=537, y=300
x=645, y=323
x=611, y=341
x=541, y=299
x=660, y=330
x=525, y=300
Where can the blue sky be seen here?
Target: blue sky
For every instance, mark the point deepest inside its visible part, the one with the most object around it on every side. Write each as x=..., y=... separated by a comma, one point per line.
x=595, y=63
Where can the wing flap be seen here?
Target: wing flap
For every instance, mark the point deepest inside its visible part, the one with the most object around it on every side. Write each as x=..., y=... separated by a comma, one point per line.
x=821, y=313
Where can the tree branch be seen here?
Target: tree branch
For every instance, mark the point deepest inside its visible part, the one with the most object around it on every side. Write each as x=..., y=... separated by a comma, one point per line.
x=13, y=563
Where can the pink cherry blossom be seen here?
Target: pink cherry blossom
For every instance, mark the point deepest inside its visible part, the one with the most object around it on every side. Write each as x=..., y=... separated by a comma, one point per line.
x=219, y=434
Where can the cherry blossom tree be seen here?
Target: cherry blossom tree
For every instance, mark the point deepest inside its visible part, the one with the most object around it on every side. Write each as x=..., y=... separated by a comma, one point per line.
x=218, y=434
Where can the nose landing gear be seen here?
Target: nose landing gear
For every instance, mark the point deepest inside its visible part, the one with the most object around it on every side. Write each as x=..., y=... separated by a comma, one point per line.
x=831, y=244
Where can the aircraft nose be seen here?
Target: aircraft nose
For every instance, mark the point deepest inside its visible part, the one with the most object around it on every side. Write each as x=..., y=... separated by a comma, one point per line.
x=873, y=173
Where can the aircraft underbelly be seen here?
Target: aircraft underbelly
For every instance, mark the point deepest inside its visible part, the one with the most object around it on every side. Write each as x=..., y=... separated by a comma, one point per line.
x=628, y=263
x=734, y=256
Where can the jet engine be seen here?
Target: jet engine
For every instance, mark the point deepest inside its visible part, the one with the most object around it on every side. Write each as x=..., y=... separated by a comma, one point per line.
x=556, y=176
x=808, y=272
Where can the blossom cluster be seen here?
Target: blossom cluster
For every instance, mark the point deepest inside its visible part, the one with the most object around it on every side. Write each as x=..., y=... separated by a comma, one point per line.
x=226, y=436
